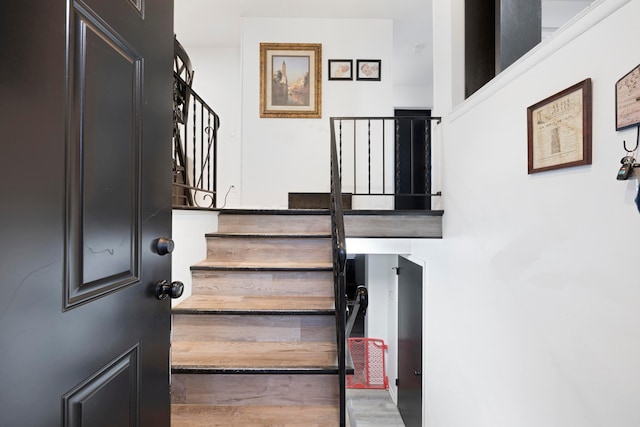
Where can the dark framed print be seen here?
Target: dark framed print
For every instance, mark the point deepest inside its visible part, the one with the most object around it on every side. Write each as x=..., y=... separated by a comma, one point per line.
x=291, y=80
x=559, y=129
x=628, y=99
x=369, y=69
x=340, y=69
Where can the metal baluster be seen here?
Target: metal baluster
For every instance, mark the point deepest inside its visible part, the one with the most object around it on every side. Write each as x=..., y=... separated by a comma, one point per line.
x=195, y=120
x=340, y=160
x=355, y=140
x=397, y=189
x=384, y=180
x=412, y=155
x=216, y=121
x=209, y=151
x=369, y=152
x=202, y=138
x=427, y=161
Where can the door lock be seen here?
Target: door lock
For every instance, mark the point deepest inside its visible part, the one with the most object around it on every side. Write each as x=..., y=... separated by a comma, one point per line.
x=164, y=245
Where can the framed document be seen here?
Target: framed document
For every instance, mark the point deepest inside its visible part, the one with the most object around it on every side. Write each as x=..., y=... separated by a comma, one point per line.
x=628, y=99
x=559, y=129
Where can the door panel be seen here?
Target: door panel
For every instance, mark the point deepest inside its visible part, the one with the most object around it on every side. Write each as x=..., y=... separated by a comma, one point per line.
x=410, y=342
x=86, y=119
x=109, y=398
x=104, y=213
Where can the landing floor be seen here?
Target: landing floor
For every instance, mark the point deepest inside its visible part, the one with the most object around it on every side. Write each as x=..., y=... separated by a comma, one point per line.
x=372, y=408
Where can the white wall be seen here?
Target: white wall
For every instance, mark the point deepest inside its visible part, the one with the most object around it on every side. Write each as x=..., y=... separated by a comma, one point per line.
x=228, y=79
x=217, y=80
x=189, y=229
x=381, y=321
x=292, y=155
x=532, y=313
x=558, y=12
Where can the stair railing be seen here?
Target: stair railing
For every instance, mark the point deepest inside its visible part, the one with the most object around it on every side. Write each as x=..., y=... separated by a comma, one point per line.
x=355, y=307
x=195, y=141
x=339, y=272
x=388, y=158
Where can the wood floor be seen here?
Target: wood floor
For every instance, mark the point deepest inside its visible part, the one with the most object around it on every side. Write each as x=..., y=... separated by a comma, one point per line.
x=255, y=344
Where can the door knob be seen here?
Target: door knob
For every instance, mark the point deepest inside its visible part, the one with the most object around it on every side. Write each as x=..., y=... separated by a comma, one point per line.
x=165, y=289
x=417, y=373
x=164, y=245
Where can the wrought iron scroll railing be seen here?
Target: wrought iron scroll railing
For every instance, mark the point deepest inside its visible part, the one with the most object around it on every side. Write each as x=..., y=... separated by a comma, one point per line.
x=339, y=273
x=195, y=135
x=386, y=161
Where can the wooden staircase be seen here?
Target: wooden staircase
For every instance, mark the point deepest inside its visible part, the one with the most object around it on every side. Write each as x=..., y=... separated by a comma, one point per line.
x=255, y=343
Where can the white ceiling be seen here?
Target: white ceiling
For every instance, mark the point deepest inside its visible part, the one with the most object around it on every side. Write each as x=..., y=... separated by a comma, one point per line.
x=216, y=23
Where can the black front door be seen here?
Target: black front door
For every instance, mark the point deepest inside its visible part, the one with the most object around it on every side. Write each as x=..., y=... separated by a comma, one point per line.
x=410, y=342
x=85, y=119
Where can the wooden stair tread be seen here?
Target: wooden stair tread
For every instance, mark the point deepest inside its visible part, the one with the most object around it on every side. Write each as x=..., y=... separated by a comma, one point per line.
x=268, y=234
x=255, y=304
x=257, y=416
x=253, y=355
x=284, y=264
x=285, y=212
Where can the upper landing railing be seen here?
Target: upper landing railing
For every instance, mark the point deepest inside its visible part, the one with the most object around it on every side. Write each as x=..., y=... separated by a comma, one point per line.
x=386, y=159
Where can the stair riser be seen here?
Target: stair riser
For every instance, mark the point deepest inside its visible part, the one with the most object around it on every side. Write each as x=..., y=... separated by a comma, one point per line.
x=251, y=357
x=252, y=328
x=254, y=390
x=255, y=416
x=223, y=249
x=304, y=224
x=260, y=283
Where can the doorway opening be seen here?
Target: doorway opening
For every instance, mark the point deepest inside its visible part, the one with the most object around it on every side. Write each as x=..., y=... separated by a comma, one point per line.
x=413, y=157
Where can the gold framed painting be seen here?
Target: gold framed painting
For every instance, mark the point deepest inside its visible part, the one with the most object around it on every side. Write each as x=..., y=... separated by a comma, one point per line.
x=291, y=80
x=559, y=129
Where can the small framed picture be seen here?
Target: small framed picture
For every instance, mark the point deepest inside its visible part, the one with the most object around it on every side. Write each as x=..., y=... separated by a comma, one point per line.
x=340, y=69
x=369, y=69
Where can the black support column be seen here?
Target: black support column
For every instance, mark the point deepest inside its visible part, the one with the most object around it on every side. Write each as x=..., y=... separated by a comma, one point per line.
x=497, y=33
x=518, y=29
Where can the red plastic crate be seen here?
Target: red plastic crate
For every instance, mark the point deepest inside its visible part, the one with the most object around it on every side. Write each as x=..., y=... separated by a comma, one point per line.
x=368, y=362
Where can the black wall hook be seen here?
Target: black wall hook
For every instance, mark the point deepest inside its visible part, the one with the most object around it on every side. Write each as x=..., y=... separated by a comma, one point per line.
x=628, y=161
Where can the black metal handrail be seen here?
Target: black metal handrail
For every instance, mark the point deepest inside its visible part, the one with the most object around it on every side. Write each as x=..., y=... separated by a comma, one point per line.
x=419, y=183
x=195, y=146
x=387, y=156
x=339, y=272
x=358, y=305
